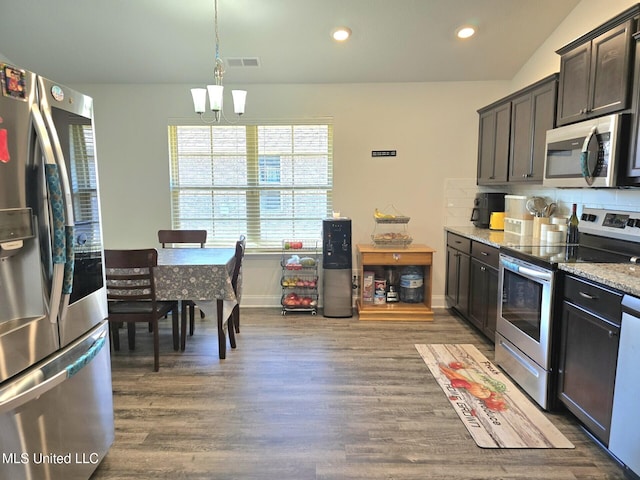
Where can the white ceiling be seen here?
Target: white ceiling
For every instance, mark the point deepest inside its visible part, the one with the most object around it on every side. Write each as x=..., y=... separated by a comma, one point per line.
x=172, y=41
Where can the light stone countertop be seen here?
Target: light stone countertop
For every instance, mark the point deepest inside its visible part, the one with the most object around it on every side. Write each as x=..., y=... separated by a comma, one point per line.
x=621, y=276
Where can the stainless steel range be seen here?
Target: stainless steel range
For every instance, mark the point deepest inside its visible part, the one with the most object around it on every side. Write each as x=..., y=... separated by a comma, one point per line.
x=525, y=334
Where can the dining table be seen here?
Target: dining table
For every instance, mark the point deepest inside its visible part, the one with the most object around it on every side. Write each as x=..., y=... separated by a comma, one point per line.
x=202, y=275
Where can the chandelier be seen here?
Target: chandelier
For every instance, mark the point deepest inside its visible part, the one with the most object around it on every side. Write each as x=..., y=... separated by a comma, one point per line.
x=215, y=91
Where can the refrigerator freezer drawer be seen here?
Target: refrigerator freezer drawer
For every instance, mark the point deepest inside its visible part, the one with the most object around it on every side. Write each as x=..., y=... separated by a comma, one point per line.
x=57, y=419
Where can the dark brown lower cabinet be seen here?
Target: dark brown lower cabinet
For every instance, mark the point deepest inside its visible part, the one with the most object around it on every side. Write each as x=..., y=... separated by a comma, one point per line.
x=472, y=282
x=457, y=285
x=588, y=355
x=483, y=297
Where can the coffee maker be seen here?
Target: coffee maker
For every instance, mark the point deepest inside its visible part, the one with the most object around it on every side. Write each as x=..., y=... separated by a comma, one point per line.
x=484, y=205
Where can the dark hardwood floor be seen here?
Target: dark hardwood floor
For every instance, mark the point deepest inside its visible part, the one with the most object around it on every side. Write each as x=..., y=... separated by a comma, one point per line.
x=308, y=397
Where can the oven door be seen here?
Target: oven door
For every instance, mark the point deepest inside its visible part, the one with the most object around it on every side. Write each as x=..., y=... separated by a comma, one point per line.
x=524, y=313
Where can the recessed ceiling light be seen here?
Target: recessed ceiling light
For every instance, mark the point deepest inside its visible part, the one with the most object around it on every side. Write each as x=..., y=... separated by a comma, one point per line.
x=465, y=31
x=341, y=34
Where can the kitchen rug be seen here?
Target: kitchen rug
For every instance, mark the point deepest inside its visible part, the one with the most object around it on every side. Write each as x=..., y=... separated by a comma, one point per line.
x=494, y=411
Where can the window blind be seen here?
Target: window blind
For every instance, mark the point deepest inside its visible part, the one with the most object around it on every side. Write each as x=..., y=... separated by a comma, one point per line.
x=268, y=182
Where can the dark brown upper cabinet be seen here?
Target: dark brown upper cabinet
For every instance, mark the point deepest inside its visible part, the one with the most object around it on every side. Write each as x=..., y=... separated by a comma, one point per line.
x=630, y=174
x=532, y=114
x=493, y=147
x=511, y=146
x=596, y=70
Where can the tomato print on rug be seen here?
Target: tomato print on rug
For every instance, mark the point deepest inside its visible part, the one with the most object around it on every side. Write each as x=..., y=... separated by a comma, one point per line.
x=494, y=411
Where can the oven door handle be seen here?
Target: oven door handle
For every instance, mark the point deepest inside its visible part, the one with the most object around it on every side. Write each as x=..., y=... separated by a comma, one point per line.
x=530, y=273
x=534, y=274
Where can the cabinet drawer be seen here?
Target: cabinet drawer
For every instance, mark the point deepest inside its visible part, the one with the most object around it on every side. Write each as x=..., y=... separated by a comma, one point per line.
x=594, y=298
x=396, y=257
x=485, y=253
x=459, y=242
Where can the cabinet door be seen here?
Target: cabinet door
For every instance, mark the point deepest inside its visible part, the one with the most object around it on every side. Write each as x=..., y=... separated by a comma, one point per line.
x=573, y=88
x=521, y=139
x=588, y=356
x=544, y=114
x=457, y=284
x=630, y=173
x=492, y=304
x=477, y=293
x=463, y=284
x=532, y=115
x=610, y=71
x=493, y=150
x=483, y=297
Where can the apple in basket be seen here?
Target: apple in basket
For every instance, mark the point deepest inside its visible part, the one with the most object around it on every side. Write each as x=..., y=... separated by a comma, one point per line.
x=291, y=300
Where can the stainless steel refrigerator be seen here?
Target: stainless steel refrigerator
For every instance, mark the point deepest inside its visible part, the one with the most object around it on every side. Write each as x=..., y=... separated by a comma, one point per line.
x=56, y=406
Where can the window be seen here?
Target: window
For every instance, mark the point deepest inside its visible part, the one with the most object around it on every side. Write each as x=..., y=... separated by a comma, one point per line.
x=269, y=182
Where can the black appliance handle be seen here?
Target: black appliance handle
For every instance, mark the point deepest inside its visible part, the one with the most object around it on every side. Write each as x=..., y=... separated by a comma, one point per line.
x=475, y=214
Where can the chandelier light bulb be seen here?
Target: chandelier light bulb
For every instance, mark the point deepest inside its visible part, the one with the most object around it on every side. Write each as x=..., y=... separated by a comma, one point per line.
x=465, y=31
x=341, y=34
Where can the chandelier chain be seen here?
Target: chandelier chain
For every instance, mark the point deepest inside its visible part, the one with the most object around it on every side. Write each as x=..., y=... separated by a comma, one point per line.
x=218, y=70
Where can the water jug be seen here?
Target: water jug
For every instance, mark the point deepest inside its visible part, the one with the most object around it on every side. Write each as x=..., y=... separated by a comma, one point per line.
x=412, y=285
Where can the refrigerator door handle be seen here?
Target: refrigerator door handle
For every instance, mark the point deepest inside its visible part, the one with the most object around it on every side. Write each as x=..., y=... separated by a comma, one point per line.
x=36, y=384
x=57, y=207
x=58, y=157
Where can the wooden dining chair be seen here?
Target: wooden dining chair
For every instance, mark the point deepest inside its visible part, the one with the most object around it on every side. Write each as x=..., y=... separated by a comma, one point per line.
x=131, y=295
x=235, y=281
x=171, y=237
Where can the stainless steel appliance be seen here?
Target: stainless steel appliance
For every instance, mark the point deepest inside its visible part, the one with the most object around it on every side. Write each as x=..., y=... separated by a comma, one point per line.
x=56, y=411
x=525, y=340
x=484, y=205
x=586, y=154
x=337, y=283
x=624, y=441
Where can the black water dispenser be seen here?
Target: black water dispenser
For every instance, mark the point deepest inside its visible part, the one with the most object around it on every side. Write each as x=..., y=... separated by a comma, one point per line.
x=337, y=281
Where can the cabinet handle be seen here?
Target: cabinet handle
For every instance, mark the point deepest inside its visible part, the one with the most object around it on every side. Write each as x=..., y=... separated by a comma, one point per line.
x=587, y=296
x=612, y=334
x=396, y=257
x=484, y=253
x=483, y=269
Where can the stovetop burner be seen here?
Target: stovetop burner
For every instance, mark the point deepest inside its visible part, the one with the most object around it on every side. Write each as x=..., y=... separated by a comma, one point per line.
x=606, y=237
x=562, y=253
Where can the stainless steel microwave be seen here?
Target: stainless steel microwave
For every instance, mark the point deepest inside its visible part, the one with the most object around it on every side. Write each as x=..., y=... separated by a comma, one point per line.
x=586, y=154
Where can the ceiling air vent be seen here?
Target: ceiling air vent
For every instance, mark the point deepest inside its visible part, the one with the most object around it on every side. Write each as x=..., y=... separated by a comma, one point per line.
x=242, y=62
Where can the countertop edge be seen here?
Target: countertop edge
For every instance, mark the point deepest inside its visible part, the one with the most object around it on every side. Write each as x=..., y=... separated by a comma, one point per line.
x=621, y=276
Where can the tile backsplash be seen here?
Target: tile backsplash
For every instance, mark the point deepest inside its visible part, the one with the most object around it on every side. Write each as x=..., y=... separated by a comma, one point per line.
x=460, y=192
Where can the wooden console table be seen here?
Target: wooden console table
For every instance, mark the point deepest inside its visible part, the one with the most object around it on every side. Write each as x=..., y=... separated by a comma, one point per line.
x=372, y=258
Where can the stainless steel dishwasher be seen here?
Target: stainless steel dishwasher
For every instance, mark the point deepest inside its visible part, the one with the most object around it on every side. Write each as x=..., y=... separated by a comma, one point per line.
x=624, y=441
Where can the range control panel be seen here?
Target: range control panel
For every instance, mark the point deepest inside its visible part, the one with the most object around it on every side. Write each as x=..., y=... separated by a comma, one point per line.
x=619, y=224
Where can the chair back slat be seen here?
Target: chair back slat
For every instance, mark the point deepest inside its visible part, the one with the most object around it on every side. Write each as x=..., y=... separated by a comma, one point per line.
x=239, y=255
x=129, y=274
x=182, y=236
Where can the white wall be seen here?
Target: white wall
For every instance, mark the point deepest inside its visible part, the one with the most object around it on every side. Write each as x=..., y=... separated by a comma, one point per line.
x=432, y=126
